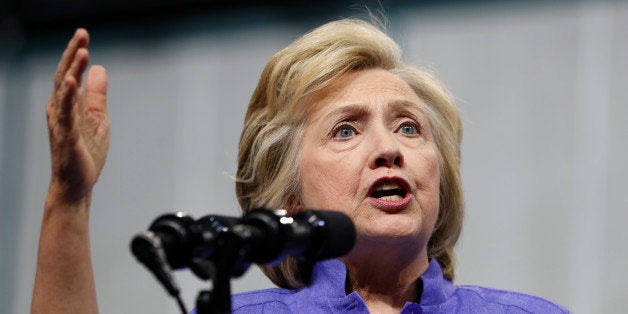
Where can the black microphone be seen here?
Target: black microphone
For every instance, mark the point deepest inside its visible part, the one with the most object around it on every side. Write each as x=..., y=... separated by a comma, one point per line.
x=149, y=251
x=261, y=236
x=183, y=240
x=225, y=246
x=312, y=235
x=331, y=234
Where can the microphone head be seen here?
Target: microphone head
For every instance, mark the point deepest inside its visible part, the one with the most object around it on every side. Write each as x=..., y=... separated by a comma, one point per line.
x=176, y=237
x=148, y=249
x=333, y=233
x=262, y=230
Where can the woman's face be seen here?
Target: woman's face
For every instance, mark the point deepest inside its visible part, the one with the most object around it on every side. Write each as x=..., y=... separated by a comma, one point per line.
x=368, y=151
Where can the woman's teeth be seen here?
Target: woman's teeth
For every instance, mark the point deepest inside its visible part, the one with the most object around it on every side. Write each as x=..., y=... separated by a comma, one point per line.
x=391, y=198
x=385, y=186
x=388, y=191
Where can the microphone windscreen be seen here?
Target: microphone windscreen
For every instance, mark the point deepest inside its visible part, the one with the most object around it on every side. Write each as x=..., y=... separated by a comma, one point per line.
x=335, y=231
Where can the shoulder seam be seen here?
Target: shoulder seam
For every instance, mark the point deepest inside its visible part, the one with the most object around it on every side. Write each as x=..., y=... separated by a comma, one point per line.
x=469, y=288
x=262, y=303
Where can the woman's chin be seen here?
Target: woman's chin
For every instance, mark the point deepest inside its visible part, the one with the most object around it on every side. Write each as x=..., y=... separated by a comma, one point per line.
x=391, y=231
x=400, y=243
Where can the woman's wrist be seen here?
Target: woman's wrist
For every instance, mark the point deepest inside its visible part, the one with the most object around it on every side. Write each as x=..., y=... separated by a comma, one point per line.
x=59, y=205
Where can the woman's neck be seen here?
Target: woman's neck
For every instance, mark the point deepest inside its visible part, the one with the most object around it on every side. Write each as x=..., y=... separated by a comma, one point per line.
x=385, y=281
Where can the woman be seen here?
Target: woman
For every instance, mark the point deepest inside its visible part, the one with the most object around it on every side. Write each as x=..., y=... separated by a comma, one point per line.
x=338, y=122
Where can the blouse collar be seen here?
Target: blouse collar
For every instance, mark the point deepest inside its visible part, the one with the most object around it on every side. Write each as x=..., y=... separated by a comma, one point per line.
x=328, y=280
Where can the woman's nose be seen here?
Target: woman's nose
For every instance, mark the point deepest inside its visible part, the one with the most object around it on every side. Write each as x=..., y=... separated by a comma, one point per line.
x=386, y=151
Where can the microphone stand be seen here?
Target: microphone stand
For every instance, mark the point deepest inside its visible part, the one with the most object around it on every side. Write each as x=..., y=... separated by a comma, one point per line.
x=230, y=263
x=216, y=300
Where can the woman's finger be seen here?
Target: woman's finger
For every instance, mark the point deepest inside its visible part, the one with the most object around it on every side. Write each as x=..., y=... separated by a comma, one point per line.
x=78, y=66
x=96, y=89
x=79, y=40
x=66, y=96
x=71, y=82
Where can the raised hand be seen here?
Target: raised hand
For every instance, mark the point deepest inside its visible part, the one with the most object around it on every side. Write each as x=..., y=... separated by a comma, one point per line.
x=79, y=139
x=77, y=123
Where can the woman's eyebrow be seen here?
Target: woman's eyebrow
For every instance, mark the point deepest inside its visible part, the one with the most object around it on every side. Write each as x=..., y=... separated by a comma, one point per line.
x=353, y=111
x=359, y=110
x=408, y=106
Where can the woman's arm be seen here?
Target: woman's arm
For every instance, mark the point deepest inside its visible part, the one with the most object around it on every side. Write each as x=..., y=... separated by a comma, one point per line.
x=79, y=139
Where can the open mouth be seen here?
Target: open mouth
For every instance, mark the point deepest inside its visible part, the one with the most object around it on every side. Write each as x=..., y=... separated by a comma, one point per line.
x=388, y=189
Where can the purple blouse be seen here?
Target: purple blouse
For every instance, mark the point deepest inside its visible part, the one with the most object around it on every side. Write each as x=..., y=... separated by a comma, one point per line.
x=326, y=294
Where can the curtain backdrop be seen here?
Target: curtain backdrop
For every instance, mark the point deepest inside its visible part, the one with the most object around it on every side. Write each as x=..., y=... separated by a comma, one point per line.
x=543, y=94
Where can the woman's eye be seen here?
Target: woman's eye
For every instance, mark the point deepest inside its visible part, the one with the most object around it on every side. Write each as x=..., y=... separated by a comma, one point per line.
x=344, y=132
x=409, y=129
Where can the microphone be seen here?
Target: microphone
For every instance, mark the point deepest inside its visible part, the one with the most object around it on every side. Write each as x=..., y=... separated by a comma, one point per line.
x=332, y=234
x=261, y=236
x=220, y=247
x=312, y=235
x=148, y=249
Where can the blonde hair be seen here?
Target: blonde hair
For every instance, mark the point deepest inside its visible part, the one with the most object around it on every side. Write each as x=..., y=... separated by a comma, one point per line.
x=274, y=123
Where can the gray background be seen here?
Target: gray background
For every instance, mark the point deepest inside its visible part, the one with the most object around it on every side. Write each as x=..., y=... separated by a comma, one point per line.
x=542, y=88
